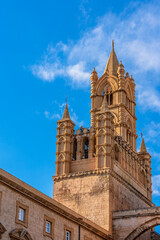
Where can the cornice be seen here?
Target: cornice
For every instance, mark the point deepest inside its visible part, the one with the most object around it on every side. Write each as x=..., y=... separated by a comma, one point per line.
x=105, y=171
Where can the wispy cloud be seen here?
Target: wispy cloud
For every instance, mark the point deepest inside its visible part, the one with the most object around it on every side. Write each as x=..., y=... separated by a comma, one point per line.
x=52, y=116
x=136, y=33
x=152, y=132
x=156, y=185
x=59, y=107
x=148, y=98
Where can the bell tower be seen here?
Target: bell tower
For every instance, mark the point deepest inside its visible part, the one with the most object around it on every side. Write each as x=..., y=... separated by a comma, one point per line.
x=120, y=93
x=98, y=170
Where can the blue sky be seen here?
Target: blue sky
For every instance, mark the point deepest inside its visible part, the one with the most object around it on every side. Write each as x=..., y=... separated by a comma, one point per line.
x=48, y=50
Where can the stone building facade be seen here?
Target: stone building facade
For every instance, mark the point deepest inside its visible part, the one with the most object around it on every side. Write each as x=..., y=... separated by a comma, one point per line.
x=102, y=184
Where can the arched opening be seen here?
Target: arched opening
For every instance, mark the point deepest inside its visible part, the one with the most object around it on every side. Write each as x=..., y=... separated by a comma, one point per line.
x=101, y=137
x=142, y=178
x=62, y=129
x=74, y=149
x=60, y=165
x=128, y=99
x=129, y=133
x=101, y=158
x=61, y=144
x=94, y=146
x=19, y=234
x=109, y=94
x=142, y=229
x=116, y=150
x=85, y=149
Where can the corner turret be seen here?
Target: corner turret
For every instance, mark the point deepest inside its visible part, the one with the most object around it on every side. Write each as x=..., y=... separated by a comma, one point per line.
x=65, y=131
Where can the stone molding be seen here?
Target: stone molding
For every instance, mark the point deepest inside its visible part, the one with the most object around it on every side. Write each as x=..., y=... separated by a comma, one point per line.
x=19, y=234
x=142, y=212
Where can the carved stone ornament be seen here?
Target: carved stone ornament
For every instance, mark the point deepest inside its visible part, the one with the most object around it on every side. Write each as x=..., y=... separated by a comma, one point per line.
x=19, y=234
x=2, y=230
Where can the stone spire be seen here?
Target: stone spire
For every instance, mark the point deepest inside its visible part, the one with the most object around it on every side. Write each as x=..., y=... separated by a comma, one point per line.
x=66, y=113
x=143, y=146
x=104, y=106
x=112, y=64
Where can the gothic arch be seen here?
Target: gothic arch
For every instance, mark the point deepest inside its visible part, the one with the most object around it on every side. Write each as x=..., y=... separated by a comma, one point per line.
x=61, y=157
x=115, y=117
x=19, y=234
x=143, y=228
x=101, y=157
x=129, y=124
x=104, y=80
x=116, y=152
x=101, y=131
x=61, y=144
x=142, y=177
x=61, y=139
x=129, y=90
x=61, y=128
x=101, y=117
x=101, y=150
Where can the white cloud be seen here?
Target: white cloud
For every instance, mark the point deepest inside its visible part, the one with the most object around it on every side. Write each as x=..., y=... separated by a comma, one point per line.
x=59, y=107
x=75, y=119
x=47, y=114
x=136, y=31
x=156, y=185
x=78, y=75
x=152, y=132
x=51, y=116
x=148, y=98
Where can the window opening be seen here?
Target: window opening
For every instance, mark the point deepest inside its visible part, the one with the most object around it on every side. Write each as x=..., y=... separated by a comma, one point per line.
x=21, y=214
x=48, y=226
x=68, y=235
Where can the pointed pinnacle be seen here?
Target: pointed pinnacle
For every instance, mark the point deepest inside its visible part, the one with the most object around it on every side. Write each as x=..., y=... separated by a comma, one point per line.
x=112, y=44
x=113, y=63
x=143, y=146
x=66, y=113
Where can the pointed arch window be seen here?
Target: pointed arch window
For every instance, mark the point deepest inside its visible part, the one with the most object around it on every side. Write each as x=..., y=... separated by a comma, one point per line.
x=85, y=149
x=109, y=94
x=116, y=153
x=74, y=149
x=94, y=145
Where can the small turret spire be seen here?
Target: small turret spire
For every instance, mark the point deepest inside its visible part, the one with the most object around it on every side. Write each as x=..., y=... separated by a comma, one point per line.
x=143, y=146
x=66, y=112
x=112, y=64
x=112, y=44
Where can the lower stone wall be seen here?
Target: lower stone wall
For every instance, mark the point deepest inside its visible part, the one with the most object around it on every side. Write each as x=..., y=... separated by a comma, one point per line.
x=87, y=195
x=124, y=198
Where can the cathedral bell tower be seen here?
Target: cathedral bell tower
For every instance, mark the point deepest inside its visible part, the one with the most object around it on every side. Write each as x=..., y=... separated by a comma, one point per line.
x=120, y=93
x=98, y=170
